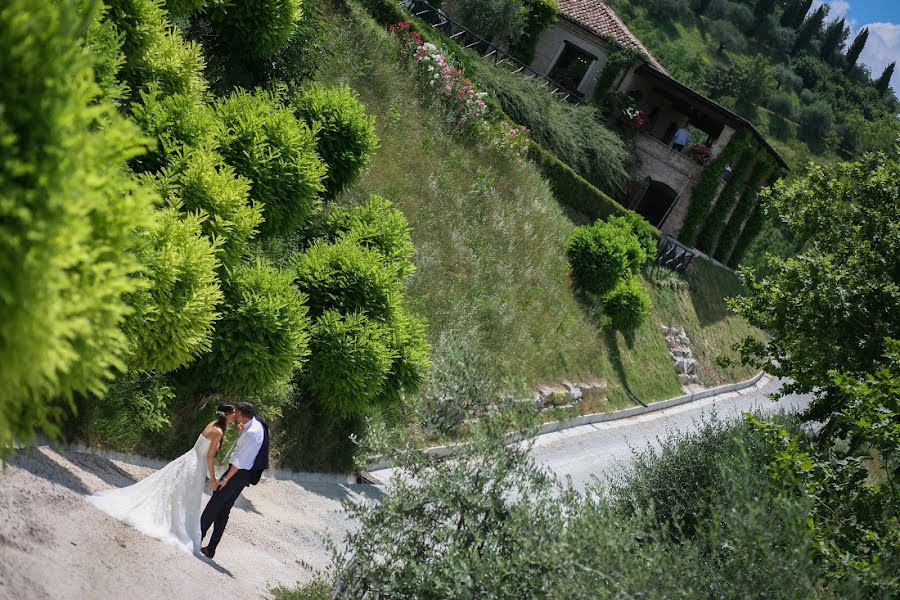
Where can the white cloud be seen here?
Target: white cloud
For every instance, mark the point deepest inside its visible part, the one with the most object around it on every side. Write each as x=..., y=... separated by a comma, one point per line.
x=838, y=8
x=882, y=48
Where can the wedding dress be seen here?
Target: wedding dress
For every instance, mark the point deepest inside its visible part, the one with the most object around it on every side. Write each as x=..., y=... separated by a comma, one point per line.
x=165, y=505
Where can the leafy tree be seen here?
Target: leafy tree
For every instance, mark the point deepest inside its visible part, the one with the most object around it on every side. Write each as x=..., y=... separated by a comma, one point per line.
x=831, y=306
x=856, y=48
x=815, y=122
x=258, y=28
x=175, y=309
x=67, y=217
x=810, y=29
x=500, y=20
x=263, y=335
x=627, y=305
x=833, y=39
x=266, y=143
x=748, y=78
x=811, y=70
x=781, y=104
x=199, y=181
x=346, y=134
x=762, y=10
x=728, y=36
x=786, y=78
x=884, y=82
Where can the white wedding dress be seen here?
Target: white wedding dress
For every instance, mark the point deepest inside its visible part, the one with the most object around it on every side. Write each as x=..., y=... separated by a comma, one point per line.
x=165, y=505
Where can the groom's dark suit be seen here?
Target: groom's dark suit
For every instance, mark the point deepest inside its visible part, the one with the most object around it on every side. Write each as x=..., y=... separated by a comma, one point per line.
x=218, y=509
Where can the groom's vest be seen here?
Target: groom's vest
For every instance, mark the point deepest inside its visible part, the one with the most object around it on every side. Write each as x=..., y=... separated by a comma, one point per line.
x=261, y=462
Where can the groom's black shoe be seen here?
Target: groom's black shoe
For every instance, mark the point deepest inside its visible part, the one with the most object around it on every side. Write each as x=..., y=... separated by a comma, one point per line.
x=205, y=551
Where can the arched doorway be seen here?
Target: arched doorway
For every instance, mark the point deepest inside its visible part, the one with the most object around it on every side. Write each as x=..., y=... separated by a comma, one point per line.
x=654, y=205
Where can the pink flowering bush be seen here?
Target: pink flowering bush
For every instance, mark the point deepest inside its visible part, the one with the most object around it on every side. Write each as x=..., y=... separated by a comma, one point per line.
x=701, y=153
x=512, y=140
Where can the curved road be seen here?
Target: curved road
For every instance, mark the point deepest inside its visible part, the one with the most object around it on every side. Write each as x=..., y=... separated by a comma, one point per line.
x=590, y=450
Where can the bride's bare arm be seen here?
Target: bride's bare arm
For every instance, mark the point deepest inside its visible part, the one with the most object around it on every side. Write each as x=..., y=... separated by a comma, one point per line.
x=214, y=442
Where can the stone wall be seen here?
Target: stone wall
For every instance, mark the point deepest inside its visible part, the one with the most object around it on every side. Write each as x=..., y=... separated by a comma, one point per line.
x=550, y=46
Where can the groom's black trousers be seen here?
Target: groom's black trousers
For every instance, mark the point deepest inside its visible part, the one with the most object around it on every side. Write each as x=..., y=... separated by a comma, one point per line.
x=219, y=507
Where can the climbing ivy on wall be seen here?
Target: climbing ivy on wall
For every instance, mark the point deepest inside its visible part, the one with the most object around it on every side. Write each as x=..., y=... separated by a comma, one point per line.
x=766, y=170
x=744, y=169
x=705, y=191
x=537, y=16
x=751, y=230
x=615, y=64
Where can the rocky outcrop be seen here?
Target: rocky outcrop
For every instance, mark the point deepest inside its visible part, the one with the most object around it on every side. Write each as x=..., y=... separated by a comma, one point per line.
x=682, y=356
x=569, y=394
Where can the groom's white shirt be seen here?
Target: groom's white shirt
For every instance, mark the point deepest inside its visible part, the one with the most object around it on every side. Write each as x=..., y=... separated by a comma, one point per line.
x=248, y=444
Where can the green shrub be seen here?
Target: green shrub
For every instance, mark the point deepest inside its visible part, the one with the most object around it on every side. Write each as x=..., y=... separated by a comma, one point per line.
x=184, y=8
x=155, y=51
x=781, y=104
x=263, y=335
x=627, y=305
x=173, y=120
x=346, y=277
x=258, y=28
x=537, y=15
x=376, y=224
x=104, y=42
x=494, y=20
x=346, y=134
x=266, y=144
x=646, y=234
x=174, y=312
x=200, y=181
x=602, y=254
x=349, y=363
x=67, y=216
x=410, y=351
x=815, y=122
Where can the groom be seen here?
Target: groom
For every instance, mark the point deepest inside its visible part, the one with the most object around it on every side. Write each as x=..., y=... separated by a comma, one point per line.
x=249, y=459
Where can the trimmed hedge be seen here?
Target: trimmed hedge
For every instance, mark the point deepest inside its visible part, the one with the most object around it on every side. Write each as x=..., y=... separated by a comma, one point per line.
x=751, y=230
x=628, y=305
x=603, y=254
x=745, y=168
x=747, y=201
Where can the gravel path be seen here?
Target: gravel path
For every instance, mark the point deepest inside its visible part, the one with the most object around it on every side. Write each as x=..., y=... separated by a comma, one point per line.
x=53, y=544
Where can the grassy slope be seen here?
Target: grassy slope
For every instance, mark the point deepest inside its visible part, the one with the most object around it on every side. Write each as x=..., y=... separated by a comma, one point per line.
x=490, y=237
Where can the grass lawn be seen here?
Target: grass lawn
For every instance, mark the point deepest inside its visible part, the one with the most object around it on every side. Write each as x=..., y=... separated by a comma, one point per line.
x=490, y=237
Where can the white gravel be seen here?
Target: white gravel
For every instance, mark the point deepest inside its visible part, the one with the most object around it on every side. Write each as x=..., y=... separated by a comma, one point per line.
x=53, y=544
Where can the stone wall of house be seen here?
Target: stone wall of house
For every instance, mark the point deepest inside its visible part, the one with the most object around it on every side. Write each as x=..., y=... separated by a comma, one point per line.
x=550, y=46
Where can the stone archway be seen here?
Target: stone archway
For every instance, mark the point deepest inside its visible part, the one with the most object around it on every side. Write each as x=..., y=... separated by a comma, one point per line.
x=656, y=202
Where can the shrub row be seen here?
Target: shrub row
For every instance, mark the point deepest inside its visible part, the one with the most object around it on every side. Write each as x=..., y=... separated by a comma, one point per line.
x=744, y=168
x=751, y=230
x=729, y=237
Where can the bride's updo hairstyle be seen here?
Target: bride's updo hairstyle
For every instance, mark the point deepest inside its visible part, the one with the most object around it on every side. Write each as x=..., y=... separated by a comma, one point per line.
x=222, y=413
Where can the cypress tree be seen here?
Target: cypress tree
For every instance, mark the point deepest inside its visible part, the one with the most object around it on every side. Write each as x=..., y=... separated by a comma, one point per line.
x=812, y=27
x=794, y=13
x=884, y=82
x=856, y=48
x=833, y=39
x=761, y=11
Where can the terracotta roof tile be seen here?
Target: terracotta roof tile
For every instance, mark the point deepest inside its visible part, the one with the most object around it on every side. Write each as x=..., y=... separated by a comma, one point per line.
x=598, y=18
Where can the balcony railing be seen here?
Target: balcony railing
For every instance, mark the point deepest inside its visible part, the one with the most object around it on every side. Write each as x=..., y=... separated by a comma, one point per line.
x=649, y=146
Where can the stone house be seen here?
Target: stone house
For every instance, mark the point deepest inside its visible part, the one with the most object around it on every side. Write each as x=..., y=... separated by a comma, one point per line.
x=573, y=52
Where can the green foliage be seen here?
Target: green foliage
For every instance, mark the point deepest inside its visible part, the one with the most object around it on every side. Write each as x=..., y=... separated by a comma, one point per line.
x=781, y=104
x=884, y=80
x=185, y=8
x=749, y=79
x=728, y=36
x=377, y=225
x=616, y=63
x=500, y=20
x=856, y=48
x=627, y=305
x=537, y=15
x=104, y=42
x=175, y=309
x=173, y=120
x=199, y=181
x=833, y=39
x=815, y=122
x=317, y=590
x=831, y=306
x=263, y=335
x=810, y=29
x=349, y=363
x=787, y=79
x=266, y=144
x=155, y=51
x=67, y=215
x=742, y=210
x=574, y=133
x=602, y=254
x=346, y=277
x=346, y=134
x=258, y=28
x=667, y=8
x=647, y=235
x=754, y=225
x=744, y=172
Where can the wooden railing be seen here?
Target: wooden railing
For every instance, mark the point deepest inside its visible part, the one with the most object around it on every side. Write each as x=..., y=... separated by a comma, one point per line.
x=672, y=254
x=457, y=32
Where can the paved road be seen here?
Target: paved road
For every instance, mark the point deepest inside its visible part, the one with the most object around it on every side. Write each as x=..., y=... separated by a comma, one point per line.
x=589, y=450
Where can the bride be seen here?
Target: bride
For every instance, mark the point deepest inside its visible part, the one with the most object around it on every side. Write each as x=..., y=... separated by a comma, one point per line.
x=166, y=505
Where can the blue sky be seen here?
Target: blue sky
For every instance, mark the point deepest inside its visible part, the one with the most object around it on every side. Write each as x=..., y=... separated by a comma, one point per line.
x=882, y=17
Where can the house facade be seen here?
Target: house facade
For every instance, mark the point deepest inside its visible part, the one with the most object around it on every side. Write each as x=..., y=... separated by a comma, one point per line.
x=574, y=51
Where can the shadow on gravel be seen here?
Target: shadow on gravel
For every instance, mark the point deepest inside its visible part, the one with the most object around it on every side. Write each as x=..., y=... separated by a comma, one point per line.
x=40, y=465
x=341, y=492
x=101, y=468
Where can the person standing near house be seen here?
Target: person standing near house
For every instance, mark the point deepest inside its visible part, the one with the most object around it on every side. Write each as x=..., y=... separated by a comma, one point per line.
x=681, y=137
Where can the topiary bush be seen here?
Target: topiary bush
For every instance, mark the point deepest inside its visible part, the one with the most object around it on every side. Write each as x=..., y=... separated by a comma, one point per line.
x=410, y=351
x=266, y=144
x=68, y=211
x=349, y=363
x=198, y=180
x=175, y=309
x=602, y=254
x=377, y=225
x=263, y=335
x=258, y=28
x=627, y=305
x=173, y=120
x=346, y=134
x=644, y=232
x=346, y=277
x=154, y=49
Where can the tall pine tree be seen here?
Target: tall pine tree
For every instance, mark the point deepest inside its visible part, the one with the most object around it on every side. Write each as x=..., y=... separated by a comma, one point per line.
x=833, y=39
x=859, y=42
x=761, y=13
x=794, y=13
x=884, y=82
x=811, y=28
